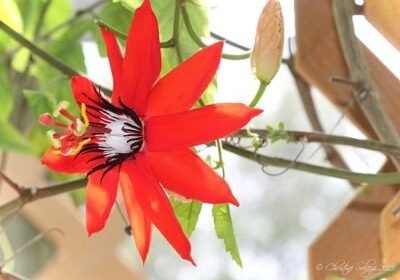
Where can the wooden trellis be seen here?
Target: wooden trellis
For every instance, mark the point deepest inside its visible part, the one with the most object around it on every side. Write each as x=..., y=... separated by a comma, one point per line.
x=366, y=230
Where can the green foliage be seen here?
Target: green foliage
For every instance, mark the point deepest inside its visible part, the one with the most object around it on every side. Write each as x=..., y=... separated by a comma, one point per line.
x=117, y=16
x=224, y=229
x=277, y=134
x=188, y=213
x=40, y=102
x=6, y=98
x=12, y=139
x=10, y=14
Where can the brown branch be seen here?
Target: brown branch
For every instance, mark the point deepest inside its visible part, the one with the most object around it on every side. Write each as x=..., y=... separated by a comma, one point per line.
x=32, y=194
x=11, y=183
x=370, y=103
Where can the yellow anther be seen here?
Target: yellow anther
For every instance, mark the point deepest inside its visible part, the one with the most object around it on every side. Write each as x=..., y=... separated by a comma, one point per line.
x=84, y=115
x=75, y=150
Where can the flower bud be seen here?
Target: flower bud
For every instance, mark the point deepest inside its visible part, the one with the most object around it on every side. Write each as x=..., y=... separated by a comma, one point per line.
x=266, y=56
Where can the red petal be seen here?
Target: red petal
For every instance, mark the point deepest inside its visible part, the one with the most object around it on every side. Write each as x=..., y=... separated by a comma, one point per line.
x=142, y=61
x=183, y=86
x=198, y=126
x=100, y=197
x=155, y=204
x=140, y=223
x=85, y=92
x=208, y=186
x=115, y=58
x=69, y=164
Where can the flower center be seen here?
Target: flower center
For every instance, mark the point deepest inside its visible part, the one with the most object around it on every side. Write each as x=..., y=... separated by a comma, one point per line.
x=108, y=133
x=118, y=132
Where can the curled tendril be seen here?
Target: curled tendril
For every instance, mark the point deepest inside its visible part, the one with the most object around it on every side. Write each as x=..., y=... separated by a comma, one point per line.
x=286, y=169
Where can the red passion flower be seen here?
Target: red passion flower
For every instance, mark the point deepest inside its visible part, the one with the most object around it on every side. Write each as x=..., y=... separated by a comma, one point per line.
x=140, y=138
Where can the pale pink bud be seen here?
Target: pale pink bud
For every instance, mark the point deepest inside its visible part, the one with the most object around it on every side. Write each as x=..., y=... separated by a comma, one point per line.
x=266, y=56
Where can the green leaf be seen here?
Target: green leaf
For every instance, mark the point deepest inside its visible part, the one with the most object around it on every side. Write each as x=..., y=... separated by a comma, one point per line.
x=6, y=97
x=187, y=213
x=30, y=11
x=40, y=102
x=12, y=139
x=116, y=15
x=67, y=48
x=224, y=229
x=58, y=12
x=10, y=15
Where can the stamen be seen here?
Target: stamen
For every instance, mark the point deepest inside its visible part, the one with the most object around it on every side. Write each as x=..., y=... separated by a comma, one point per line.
x=58, y=135
x=84, y=115
x=67, y=114
x=46, y=119
x=55, y=141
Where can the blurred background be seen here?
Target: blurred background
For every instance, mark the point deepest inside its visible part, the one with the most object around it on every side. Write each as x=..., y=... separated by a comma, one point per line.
x=279, y=216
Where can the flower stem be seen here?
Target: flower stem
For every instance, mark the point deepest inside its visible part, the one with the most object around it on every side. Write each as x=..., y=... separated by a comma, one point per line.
x=381, y=178
x=56, y=63
x=319, y=137
x=218, y=143
x=260, y=92
x=199, y=42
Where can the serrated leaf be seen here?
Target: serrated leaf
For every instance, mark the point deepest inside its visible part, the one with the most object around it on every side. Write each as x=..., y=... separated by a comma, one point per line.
x=187, y=214
x=12, y=139
x=224, y=229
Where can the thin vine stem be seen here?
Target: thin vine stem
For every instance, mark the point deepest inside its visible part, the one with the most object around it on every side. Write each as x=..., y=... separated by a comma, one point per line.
x=53, y=61
x=259, y=94
x=78, y=14
x=319, y=137
x=379, y=179
x=221, y=163
x=199, y=42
